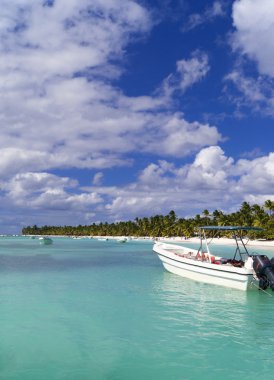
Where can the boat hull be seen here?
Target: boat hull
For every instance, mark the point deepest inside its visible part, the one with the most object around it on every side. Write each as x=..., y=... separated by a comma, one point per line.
x=45, y=241
x=222, y=275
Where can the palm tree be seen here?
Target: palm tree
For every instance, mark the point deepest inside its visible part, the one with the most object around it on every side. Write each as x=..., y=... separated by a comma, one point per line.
x=245, y=214
x=218, y=217
x=170, y=225
x=269, y=205
x=206, y=214
x=260, y=218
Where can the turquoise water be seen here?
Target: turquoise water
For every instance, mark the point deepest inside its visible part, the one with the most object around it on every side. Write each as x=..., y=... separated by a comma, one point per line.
x=86, y=309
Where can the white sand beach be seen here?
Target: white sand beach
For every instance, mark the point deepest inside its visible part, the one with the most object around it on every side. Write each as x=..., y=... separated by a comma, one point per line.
x=221, y=241
x=178, y=239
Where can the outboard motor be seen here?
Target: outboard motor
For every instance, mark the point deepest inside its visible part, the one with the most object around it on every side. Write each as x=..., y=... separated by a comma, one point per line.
x=264, y=270
x=272, y=262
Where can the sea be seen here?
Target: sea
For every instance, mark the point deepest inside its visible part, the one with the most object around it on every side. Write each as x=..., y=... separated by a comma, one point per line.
x=84, y=309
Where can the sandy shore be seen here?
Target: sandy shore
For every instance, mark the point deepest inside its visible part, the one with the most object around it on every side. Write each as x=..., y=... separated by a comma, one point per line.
x=177, y=239
x=222, y=241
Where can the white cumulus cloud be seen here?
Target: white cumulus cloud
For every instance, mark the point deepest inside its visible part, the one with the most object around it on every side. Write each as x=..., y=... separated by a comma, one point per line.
x=213, y=181
x=254, y=25
x=61, y=108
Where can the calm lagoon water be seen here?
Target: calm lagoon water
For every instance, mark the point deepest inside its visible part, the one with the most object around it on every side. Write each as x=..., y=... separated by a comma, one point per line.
x=87, y=309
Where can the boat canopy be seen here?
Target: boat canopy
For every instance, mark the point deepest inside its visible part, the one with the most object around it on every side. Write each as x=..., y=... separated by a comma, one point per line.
x=237, y=236
x=231, y=228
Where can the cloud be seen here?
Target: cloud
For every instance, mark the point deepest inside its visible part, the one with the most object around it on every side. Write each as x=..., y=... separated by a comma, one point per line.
x=153, y=174
x=254, y=28
x=58, y=106
x=179, y=138
x=97, y=179
x=188, y=72
x=210, y=14
x=46, y=191
x=252, y=92
x=254, y=153
x=257, y=175
x=55, y=99
x=77, y=35
x=21, y=185
x=61, y=107
x=210, y=169
x=250, y=40
x=212, y=181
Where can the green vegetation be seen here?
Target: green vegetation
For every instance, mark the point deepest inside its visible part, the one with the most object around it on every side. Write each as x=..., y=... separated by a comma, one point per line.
x=170, y=225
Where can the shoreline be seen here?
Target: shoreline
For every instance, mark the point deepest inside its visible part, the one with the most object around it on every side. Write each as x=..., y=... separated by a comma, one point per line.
x=221, y=241
x=174, y=239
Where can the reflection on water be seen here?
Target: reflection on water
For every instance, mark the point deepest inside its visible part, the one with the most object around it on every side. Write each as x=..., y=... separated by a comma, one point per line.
x=220, y=321
x=181, y=287
x=197, y=303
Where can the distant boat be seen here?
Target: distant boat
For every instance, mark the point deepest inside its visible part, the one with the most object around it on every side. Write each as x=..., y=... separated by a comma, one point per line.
x=242, y=272
x=122, y=240
x=45, y=240
x=102, y=239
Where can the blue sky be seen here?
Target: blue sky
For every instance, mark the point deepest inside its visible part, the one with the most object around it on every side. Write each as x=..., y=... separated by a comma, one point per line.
x=113, y=109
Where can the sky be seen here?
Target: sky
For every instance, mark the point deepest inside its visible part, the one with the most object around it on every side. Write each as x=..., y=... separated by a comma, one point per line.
x=117, y=109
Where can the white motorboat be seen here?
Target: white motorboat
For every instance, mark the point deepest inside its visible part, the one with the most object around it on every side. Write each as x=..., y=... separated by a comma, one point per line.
x=121, y=240
x=244, y=271
x=45, y=240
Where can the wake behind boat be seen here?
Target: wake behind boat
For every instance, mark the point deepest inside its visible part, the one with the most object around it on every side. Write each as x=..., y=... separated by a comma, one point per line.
x=242, y=272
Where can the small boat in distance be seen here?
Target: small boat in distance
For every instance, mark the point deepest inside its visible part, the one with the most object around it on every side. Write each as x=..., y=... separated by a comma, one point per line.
x=103, y=239
x=45, y=240
x=121, y=240
x=243, y=272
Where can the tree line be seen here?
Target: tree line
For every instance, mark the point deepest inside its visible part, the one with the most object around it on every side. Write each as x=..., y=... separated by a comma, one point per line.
x=255, y=215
